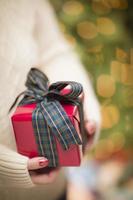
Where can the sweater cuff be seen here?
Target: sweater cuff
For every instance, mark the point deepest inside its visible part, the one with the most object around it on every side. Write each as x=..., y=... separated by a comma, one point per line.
x=13, y=169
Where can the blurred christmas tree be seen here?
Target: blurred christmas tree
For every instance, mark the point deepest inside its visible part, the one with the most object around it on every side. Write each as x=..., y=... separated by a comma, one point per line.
x=98, y=29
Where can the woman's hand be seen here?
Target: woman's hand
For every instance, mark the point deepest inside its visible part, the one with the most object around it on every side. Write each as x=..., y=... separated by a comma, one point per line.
x=42, y=162
x=39, y=163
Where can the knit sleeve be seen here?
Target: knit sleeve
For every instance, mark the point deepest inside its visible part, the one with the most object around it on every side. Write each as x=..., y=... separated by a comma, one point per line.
x=13, y=169
x=60, y=62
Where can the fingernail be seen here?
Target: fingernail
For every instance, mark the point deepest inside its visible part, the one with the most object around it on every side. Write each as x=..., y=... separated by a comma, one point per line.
x=43, y=162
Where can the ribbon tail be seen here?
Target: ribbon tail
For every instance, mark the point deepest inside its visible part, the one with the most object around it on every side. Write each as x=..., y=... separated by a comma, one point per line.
x=60, y=124
x=16, y=100
x=44, y=138
x=82, y=128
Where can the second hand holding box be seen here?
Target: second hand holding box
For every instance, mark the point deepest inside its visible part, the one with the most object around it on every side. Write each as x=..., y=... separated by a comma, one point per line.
x=49, y=121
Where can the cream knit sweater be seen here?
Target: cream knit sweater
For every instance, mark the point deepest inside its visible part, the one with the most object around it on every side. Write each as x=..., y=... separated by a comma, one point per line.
x=29, y=36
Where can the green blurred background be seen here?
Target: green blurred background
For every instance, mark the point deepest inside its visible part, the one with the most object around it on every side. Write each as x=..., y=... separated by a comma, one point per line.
x=101, y=32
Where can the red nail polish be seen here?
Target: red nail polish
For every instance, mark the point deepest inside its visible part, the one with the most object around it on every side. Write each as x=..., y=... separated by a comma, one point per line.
x=43, y=162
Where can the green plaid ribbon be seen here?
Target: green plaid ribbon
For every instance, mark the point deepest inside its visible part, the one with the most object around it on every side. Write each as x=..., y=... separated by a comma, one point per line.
x=49, y=119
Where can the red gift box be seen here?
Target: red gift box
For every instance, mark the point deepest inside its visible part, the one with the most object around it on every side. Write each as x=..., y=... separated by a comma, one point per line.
x=25, y=139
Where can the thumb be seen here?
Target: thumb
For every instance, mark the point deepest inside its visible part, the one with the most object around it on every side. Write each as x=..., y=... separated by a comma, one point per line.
x=37, y=163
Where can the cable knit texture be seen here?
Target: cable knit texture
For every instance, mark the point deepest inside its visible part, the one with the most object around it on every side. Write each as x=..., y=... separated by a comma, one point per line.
x=29, y=37
x=9, y=162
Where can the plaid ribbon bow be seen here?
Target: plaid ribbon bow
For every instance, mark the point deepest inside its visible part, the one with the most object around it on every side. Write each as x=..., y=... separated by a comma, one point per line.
x=49, y=118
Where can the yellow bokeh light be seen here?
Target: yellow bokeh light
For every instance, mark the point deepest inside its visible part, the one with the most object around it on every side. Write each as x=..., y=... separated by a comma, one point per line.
x=106, y=85
x=87, y=30
x=73, y=8
x=123, y=4
x=106, y=26
x=116, y=70
x=127, y=74
x=110, y=116
x=122, y=72
x=118, y=140
x=121, y=55
x=116, y=4
x=101, y=7
x=104, y=149
x=113, y=3
x=71, y=39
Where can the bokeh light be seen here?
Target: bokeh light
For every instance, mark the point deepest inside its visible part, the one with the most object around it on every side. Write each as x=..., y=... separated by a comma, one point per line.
x=87, y=30
x=110, y=116
x=73, y=8
x=105, y=26
x=106, y=85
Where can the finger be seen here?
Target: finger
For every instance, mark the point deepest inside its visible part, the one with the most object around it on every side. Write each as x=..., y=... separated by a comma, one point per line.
x=44, y=178
x=90, y=127
x=37, y=163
